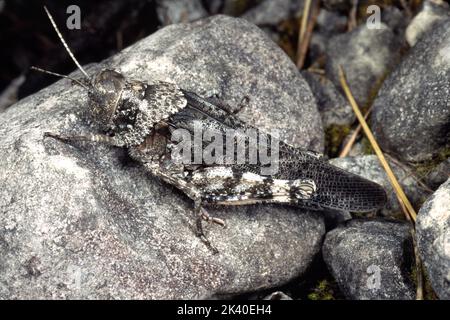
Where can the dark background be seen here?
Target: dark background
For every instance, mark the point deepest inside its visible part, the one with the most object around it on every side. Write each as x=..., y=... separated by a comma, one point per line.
x=27, y=37
x=107, y=26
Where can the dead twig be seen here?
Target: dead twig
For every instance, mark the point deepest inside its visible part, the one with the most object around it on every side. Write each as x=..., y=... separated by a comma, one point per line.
x=398, y=189
x=406, y=206
x=306, y=30
x=304, y=21
x=352, y=21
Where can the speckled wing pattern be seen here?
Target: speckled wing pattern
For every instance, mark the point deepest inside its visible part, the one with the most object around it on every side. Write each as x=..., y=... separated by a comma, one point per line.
x=304, y=177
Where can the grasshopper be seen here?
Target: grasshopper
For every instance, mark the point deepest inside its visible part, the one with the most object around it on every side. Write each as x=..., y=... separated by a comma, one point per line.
x=144, y=117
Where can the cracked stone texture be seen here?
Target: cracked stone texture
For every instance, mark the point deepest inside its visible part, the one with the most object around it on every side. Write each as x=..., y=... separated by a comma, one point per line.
x=83, y=221
x=411, y=114
x=433, y=239
x=371, y=259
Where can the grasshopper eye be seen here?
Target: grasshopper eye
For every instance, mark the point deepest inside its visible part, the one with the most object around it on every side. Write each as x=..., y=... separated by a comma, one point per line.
x=108, y=86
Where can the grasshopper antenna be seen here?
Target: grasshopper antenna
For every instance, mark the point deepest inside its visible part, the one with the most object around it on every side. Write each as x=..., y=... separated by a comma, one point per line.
x=60, y=75
x=65, y=45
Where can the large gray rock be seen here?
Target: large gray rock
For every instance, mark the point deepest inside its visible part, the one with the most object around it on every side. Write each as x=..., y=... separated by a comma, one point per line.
x=83, y=221
x=411, y=114
x=371, y=259
x=366, y=55
x=369, y=167
x=433, y=239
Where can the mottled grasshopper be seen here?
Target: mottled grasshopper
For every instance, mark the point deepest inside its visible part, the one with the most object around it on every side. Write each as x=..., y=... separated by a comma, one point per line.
x=143, y=117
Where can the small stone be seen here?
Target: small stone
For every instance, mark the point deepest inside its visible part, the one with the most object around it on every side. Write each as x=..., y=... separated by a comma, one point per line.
x=438, y=175
x=433, y=12
x=358, y=149
x=272, y=12
x=179, y=11
x=329, y=22
x=366, y=55
x=371, y=259
x=395, y=19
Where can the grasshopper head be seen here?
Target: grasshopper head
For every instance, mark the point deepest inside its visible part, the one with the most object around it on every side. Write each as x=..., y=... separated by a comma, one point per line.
x=105, y=96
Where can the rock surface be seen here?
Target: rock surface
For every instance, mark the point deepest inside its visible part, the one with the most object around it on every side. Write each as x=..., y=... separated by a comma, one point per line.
x=371, y=259
x=272, y=12
x=396, y=19
x=333, y=107
x=411, y=114
x=433, y=239
x=438, y=175
x=432, y=13
x=278, y=295
x=369, y=167
x=178, y=11
x=366, y=55
x=84, y=221
x=328, y=24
